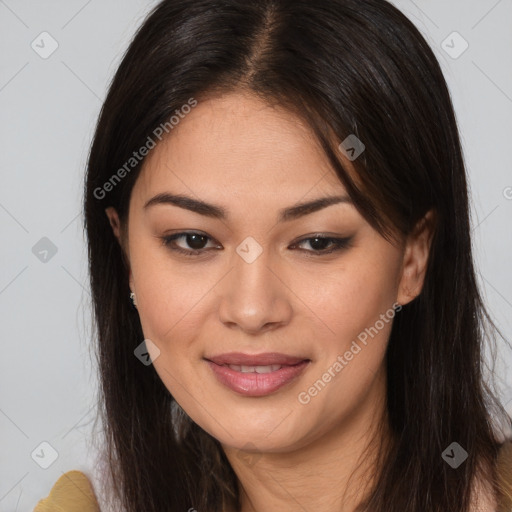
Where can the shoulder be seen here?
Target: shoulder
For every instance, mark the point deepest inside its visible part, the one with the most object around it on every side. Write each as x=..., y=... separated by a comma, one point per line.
x=72, y=492
x=504, y=476
x=484, y=497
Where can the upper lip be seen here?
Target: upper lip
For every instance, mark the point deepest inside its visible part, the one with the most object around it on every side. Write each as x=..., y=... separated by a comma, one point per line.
x=265, y=359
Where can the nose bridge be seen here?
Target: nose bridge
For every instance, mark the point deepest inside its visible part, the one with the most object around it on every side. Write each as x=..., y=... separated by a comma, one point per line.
x=252, y=294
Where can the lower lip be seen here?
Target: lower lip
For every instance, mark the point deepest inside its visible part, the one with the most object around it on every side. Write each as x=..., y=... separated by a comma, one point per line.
x=256, y=384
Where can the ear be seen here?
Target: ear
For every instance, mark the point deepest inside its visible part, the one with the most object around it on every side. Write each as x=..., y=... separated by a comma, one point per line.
x=113, y=217
x=415, y=259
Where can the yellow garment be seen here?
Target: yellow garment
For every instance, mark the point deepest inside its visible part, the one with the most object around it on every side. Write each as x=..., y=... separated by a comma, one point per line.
x=71, y=493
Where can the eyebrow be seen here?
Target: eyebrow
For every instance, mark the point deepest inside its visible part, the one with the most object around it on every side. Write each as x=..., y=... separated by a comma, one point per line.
x=218, y=212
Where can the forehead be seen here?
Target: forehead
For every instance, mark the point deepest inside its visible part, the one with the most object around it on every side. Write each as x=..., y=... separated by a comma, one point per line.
x=238, y=145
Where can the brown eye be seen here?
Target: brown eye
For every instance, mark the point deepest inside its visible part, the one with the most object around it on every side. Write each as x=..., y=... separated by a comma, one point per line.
x=319, y=244
x=195, y=241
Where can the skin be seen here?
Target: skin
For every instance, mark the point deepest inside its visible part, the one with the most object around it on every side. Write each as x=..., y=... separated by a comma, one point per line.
x=253, y=160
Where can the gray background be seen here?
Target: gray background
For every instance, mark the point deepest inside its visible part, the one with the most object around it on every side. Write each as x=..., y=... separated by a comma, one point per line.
x=49, y=107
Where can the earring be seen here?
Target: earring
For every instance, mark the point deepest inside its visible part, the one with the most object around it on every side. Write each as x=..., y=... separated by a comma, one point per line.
x=132, y=297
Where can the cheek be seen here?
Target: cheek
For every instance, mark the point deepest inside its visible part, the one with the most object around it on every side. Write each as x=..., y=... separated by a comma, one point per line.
x=345, y=301
x=353, y=312
x=170, y=303
x=169, y=296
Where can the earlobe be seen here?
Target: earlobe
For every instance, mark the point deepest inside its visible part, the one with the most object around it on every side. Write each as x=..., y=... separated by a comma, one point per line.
x=113, y=218
x=415, y=259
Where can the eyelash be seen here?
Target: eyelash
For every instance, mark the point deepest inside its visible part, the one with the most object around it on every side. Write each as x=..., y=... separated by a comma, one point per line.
x=339, y=243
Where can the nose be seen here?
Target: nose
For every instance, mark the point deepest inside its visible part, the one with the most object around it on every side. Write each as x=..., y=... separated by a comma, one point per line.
x=255, y=297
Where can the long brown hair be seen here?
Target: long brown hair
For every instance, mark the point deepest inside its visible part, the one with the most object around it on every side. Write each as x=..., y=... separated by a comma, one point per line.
x=346, y=67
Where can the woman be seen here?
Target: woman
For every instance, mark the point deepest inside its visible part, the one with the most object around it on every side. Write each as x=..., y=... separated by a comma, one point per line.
x=279, y=188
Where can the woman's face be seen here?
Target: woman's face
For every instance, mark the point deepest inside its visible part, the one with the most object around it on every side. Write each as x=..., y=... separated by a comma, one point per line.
x=260, y=283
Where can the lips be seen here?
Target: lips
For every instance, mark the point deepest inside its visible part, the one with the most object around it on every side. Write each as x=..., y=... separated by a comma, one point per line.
x=257, y=374
x=265, y=359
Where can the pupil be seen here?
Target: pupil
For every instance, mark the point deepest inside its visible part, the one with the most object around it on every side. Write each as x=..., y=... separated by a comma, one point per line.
x=195, y=242
x=316, y=242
